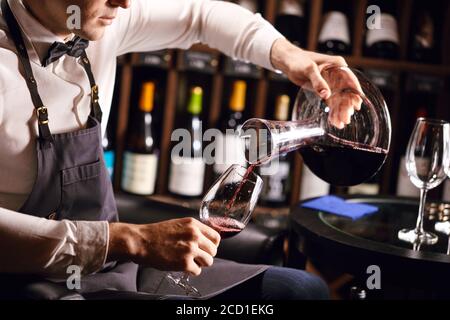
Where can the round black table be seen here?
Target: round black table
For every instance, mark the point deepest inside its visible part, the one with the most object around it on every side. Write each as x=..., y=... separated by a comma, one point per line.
x=351, y=246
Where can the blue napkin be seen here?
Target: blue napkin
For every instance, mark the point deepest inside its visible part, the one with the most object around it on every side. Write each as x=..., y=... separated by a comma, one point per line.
x=340, y=207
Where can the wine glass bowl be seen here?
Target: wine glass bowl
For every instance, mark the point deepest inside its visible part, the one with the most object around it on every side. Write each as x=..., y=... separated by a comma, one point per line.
x=425, y=162
x=228, y=205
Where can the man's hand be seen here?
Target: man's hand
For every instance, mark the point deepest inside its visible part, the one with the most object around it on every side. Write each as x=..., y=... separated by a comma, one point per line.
x=306, y=69
x=175, y=245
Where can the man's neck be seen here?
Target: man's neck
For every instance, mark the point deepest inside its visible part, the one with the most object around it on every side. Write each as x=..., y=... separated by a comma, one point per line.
x=41, y=12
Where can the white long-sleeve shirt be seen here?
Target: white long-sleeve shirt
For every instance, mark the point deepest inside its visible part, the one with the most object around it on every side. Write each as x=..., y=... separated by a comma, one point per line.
x=35, y=245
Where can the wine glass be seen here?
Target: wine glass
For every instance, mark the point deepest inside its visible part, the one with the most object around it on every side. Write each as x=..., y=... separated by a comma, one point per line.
x=427, y=156
x=227, y=208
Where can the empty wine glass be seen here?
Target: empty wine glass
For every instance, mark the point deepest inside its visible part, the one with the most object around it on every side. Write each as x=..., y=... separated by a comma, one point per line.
x=427, y=156
x=227, y=208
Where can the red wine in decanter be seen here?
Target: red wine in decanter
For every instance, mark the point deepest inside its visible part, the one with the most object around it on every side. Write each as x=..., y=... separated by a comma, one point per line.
x=344, y=163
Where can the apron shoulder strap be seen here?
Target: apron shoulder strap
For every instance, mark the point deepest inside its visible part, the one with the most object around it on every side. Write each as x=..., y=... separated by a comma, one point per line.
x=45, y=136
x=41, y=111
x=96, y=111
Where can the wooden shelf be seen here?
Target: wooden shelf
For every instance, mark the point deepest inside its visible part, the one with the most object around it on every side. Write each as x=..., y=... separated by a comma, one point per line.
x=263, y=86
x=398, y=65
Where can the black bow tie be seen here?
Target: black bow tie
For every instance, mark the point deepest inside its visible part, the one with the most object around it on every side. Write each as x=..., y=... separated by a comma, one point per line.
x=73, y=48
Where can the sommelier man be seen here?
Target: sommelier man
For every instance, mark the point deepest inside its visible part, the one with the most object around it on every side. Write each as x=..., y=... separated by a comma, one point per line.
x=57, y=204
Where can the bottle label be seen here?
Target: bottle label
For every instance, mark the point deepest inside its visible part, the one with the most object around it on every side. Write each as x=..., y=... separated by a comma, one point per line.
x=275, y=182
x=383, y=78
x=234, y=67
x=186, y=176
x=312, y=186
x=291, y=7
x=365, y=188
x=109, y=157
x=404, y=185
x=229, y=151
x=424, y=83
x=388, y=31
x=199, y=61
x=139, y=173
x=335, y=27
x=159, y=58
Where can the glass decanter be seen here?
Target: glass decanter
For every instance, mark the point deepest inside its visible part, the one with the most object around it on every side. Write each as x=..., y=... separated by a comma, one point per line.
x=340, y=153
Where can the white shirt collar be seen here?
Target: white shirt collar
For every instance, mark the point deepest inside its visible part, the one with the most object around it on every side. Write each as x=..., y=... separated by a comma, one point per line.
x=39, y=37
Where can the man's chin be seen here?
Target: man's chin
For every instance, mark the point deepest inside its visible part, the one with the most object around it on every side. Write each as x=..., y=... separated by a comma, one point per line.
x=92, y=35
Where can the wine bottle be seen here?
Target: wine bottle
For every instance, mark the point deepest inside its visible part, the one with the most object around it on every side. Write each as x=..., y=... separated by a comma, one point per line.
x=312, y=186
x=108, y=144
x=276, y=174
x=141, y=155
x=291, y=21
x=383, y=42
x=229, y=148
x=334, y=37
x=187, y=171
x=423, y=44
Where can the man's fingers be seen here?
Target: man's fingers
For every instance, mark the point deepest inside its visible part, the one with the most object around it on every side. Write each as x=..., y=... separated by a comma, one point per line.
x=325, y=60
x=345, y=112
x=333, y=118
x=193, y=268
x=208, y=246
x=210, y=233
x=318, y=82
x=203, y=259
x=357, y=103
x=342, y=108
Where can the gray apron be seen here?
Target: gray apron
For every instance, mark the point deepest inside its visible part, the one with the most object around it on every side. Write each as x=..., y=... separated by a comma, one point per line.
x=73, y=183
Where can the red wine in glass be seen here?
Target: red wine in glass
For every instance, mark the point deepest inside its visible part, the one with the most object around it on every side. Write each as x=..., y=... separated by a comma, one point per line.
x=228, y=205
x=227, y=227
x=238, y=189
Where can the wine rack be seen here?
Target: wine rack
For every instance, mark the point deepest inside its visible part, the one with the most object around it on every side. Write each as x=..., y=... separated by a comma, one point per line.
x=172, y=66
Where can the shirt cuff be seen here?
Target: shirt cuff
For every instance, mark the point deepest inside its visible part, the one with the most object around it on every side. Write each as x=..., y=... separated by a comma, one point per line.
x=263, y=41
x=92, y=245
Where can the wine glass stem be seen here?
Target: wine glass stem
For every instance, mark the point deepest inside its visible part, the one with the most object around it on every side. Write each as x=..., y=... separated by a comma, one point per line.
x=420, y=217
x=185, y=277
